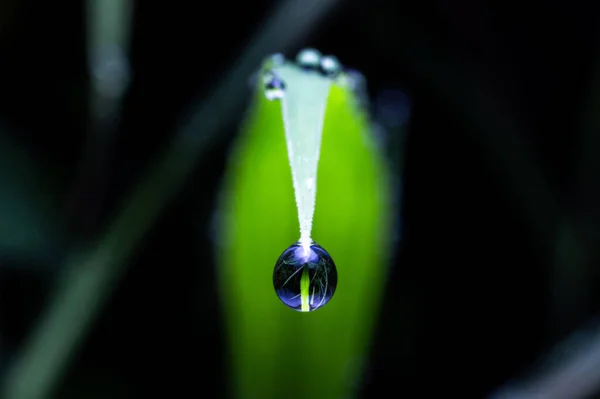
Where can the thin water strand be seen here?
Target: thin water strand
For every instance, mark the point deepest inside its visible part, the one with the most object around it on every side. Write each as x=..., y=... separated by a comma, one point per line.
x=303, y=112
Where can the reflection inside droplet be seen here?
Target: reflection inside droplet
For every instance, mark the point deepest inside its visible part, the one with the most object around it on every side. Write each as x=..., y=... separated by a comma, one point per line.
x=305, y=280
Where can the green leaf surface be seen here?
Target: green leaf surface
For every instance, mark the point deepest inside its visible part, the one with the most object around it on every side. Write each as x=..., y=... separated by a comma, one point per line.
x=274, y=351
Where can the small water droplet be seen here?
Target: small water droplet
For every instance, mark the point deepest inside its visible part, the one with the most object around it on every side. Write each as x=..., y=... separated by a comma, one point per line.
x=309, y=59
x=274, y=86
x=330, y=66
x=305, y=280
x=277, y=59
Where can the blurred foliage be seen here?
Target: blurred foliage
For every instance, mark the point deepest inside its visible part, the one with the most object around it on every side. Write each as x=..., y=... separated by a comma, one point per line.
x=28, y=203
x=275, y=351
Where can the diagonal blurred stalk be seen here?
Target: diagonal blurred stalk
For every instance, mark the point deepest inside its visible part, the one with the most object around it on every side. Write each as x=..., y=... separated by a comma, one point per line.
x=571, y=370
x=90, y=275
x=108, y=24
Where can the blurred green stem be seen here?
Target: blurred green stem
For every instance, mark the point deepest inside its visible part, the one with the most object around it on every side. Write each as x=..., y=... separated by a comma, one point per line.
x=108, y=25
x=90, y=276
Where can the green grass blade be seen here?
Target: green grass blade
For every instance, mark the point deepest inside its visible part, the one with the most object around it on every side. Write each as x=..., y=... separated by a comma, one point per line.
x=276, y=352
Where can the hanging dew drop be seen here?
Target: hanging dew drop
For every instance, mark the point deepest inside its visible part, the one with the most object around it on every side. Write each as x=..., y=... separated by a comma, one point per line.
x=309, y=59
x=274, y=86
x=305, y=278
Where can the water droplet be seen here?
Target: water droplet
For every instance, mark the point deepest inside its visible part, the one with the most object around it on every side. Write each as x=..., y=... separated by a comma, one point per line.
x=305, y=280
x=277, y=59
x=309, y=59
x=330, y=66
x=274, y=86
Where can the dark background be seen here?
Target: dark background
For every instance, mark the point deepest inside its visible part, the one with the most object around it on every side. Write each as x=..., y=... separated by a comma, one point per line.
x=475, y=295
